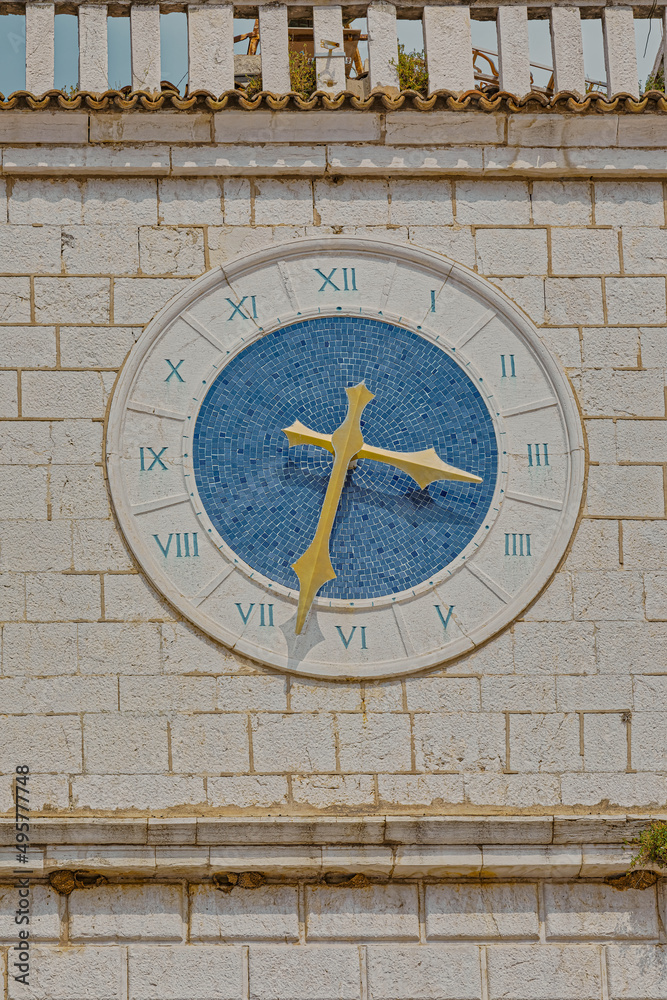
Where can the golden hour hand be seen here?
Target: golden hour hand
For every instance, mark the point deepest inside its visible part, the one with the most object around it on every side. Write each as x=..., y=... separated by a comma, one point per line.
x=314, y=567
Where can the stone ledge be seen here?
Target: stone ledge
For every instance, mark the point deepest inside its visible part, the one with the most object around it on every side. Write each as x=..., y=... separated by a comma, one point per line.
x=330, y=831
x=492, y=861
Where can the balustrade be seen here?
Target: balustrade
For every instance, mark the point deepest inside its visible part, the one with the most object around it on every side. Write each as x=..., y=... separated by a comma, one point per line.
x=446, y=32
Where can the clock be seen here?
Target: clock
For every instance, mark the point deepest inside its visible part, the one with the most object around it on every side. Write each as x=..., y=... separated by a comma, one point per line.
x=345, y=458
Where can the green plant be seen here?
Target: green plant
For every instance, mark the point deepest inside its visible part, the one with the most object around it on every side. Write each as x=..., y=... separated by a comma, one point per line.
x=302, y=73
x=412, y=71
x=656, y=82
x=652, y=844
x=253, y=86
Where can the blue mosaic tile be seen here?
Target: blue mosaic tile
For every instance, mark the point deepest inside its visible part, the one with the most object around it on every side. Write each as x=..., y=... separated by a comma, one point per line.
x=265, y=498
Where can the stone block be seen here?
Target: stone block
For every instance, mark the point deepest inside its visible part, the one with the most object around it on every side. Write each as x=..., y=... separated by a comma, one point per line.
x=374, y=742
x=562, y=203
x=649, y=691
x=237, y=162
x=246, y=791
x=632, y=647
x=649, y=741
x=426, y=972
x=84, y=161
x=304, y=973
x=635, y=300
x=316, y=127
x=278, y=201
x=560, y=130
x=644, y=544
x=72, y=300
x=298, y=742
x=62, y=394
x=78, y=491
x=612, y=789
x=186, y=651
x=444, y=128
x=209, y=743
x=528, y=293
x=15, y=300
x=463, y=741
x=97, y=545
x=512, y=251
x=520, y=971
x=455, y=242
x=584, y=251
x=127, y=597
x=517, y=694
x=636, y=971
x=28, y=347
x=46, y=743
x=309, y=695
x=185, y=971
x=44, y=695
x=37, y=201
x=511, y=791
x=544, y=742
x=136, y=300
x=605, y=742
x=75, y=441
x=125, y=744
x=598, y=912
x=402, y=161
x=96, y=347
x=654, y=347
x=352, y=202
x=442, y=694
x=496, y=910
x=420, y=202
x=564, y=343
x=324, y=791
x=621, y=394
x=629, y=203
x=595, y=544
x=97, y=972
x=625, y=491
x=590, y=694
x=438, y=790
x=164, y=694
x=164, y=250
x=574, y=300
x=375, y=912
x=54, y=597
x=641, y=440
x=128, y=648
x=120, y=791
x=163, y=126
x=9, y=395
x=600, y=596
x=12, y=596
x=120, y=201
x=193, y=201
x=111, y=249
x=240, y=692
x=554, y=647
x=38, y=649
x=44, y=911
x=644, y=250
x=504, y=203
x=610, y=347
x=126, y=913
x=268, y=913
x=44, y=126
x=32, y=249
x=23, y=494
x=524, y=861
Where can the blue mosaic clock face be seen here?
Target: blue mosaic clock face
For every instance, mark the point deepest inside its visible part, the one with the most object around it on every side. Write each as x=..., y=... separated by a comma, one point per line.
x=265, y=498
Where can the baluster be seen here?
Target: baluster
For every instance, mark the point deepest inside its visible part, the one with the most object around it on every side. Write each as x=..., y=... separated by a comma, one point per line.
x=567, y=50
x=93, y=49
x=329, y=67
x=39, y=32
x=211, y=48
x=448, y=48
x=619, y=50
x=513, y=50
x=382, y=45
x=145, y=33
x=274, y=48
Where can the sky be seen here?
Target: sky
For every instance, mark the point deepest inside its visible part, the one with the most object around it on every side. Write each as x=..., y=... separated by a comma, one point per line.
x=173, y=33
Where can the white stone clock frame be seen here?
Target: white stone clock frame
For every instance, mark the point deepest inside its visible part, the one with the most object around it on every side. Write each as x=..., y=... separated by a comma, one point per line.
x=492, y=581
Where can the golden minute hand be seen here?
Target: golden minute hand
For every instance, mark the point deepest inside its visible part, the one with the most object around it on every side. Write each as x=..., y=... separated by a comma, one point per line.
x=424, y=467
x=314, y=567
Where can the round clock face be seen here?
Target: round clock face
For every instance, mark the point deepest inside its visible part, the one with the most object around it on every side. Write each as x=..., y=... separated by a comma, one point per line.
x=345, y=458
